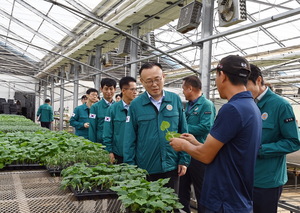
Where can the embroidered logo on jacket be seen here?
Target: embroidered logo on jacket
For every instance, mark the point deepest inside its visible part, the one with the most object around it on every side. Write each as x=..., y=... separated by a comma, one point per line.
x=93, y=116
x=107, y=119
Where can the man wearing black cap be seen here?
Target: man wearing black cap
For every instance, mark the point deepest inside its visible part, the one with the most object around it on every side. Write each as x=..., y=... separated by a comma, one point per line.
x=232, y=145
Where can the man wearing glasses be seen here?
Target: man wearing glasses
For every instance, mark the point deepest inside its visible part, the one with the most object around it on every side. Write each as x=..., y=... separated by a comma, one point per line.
x=145, y=144
x=115, y=119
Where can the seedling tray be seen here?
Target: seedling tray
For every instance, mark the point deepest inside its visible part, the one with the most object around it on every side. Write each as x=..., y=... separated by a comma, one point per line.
x=54, y=171
x=23, y=167
x=92, y=195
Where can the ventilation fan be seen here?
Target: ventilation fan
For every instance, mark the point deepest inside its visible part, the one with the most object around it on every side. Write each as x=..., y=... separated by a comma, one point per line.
x=106, y=59
x=231, y=12
x=124, y=47
x=149, y=38
x=189, y=17
x=91, y=60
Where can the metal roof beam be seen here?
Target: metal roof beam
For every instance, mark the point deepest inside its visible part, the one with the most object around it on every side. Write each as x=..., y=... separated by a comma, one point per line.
x=18, y=56
x=272, y=5
x=29, y=29
x=266, y=31
x=45, y=17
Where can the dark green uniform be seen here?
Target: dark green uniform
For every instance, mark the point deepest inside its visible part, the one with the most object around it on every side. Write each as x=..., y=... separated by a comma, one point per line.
x=46, y=112
x=145, y=144
x=79, y=117
x=280, y=136
x=97, y=115
x=200, y=118
x=114, y=128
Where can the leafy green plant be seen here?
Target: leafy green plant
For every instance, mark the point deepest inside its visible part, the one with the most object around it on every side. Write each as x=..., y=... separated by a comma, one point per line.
x=164, y=126
x=147, y=197
x=101, y=177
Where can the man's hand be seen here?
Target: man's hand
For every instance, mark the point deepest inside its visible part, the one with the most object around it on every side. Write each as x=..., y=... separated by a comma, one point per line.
x=52, y=122
x=112, y=157
x=86, y=125
x=181, y=170
x=190, y=138
x=177, y=144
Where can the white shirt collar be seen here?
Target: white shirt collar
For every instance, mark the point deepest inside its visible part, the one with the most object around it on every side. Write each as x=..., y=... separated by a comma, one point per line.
x=151, y=98
x=262, y=94
x=125, y=105
x=108, y=103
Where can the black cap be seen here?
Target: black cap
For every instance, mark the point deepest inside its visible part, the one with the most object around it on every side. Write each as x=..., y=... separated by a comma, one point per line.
x=235, y=65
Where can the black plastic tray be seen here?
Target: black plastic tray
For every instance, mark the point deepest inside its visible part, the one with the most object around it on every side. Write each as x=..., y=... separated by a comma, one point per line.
x=54, y=172
x=91, y=195
x=23, y=167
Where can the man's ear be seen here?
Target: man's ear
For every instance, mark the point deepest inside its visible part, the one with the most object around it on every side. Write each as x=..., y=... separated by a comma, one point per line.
x=223, y=76
x=258, y=81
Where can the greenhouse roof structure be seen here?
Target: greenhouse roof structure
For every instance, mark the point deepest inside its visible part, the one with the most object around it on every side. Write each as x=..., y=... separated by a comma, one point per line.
x=39, y=38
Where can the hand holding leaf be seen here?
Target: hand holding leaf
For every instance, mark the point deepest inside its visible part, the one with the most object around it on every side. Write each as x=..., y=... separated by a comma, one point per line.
x=164, y=126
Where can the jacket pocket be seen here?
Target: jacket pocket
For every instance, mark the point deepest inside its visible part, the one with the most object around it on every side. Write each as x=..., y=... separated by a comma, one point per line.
x=173, y=119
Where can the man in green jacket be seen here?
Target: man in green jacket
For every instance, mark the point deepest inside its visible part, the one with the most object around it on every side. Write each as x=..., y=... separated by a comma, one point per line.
x=200, y=115
x=280, y=136
x=98, y=110
x=45, y=112
x=80, y=117
x=115, y=120
x=145, y=144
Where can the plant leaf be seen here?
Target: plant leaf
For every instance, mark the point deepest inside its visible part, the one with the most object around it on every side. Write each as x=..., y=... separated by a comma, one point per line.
x=164, y=125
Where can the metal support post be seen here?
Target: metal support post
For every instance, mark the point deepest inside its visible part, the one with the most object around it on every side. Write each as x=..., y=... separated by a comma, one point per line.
x=205, y=53
x=134, y=50
x=52, y=95
x=98, y=66
x=45, y=89
x=76, y=75
x=61, y=108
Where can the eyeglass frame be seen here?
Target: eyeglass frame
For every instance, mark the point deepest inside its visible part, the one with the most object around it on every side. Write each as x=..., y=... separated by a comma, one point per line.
x=152, y=81
x=132, y=89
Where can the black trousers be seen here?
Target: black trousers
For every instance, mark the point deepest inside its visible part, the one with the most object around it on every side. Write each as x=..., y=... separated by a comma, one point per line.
x=266, y=200
x=118, y=158
x=173, y=182
x=46, y=124
x=194, y=175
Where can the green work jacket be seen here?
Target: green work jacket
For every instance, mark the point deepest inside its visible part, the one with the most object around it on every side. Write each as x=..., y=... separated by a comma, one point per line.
x=280, y=136
x=97, y=115
x=145, y=144
x=114, y=128
x=79, y=117
x=200, y=118
x=46, y=112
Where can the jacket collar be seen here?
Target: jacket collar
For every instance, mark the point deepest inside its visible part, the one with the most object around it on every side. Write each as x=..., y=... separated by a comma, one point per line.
x=199, y=102
x=265, y=98
x=146, y=100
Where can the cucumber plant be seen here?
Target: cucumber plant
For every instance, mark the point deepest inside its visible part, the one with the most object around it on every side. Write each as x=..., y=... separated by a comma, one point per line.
x=147, y=197
x=164, y=126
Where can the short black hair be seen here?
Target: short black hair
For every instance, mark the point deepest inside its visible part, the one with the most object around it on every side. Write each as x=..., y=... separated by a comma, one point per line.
x=193, y=81
x=149, y=65
x=125, y=81
x=83, y=97
x=47, y=100
x=235, y=79
x=255, y=73
x=91, y=90
x=118, y=95
x=108, y=82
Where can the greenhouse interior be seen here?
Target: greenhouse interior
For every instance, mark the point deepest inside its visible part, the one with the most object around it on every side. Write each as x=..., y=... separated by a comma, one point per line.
x=53, y=51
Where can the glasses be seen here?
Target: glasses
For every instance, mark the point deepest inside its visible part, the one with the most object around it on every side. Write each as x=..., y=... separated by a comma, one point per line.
x=150, y=82
x=131, y=89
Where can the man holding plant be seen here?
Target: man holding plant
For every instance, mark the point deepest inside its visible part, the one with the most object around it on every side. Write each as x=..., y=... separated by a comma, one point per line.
x=115, y=120
x=231, y=148
x=145, y=144
x=200, y=115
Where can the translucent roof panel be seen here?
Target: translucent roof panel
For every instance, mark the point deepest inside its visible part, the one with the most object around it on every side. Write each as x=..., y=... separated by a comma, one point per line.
x=38, y=22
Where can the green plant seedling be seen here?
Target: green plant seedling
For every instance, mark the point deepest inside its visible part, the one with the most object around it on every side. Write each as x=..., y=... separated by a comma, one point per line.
x=164, y=126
